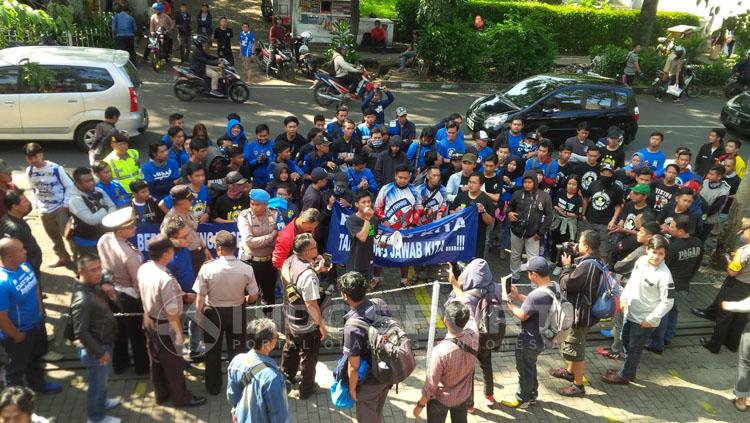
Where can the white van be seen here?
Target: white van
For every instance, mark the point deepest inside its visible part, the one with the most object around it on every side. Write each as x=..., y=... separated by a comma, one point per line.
x=87, y=81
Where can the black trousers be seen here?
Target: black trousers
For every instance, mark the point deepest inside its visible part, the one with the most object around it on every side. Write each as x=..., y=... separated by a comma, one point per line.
x=126, y=44
x=166, y=365
x=184, y=39
x=25, y=365
x=129, y=334
x=728, y=325
x=437, y=412
x=484, y=356
x=226, y=323
x=301, y=353
x=265, y=275
x=226, y=52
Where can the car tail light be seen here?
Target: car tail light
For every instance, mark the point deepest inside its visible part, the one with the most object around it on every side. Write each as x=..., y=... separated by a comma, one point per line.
x=636, y=114
x=133, y=100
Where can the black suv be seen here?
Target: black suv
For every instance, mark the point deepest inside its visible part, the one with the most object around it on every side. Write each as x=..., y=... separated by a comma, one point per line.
x=560, y=102
x=736, y=113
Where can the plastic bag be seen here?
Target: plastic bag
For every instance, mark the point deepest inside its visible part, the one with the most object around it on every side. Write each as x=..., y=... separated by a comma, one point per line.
x=674, y=90
x=340, y=390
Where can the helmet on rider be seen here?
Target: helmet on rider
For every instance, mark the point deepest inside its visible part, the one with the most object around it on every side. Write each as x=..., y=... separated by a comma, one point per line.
x=341, y=48
x=679, y=51
x=199, y=41
x=158, y=7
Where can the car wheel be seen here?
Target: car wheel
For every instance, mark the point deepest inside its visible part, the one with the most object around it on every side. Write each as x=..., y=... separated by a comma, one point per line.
x=85, y=135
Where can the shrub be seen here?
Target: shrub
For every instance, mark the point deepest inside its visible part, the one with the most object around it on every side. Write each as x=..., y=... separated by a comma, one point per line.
x=406, y=19
x=452, y=49
x=715, y=73
x=519, y=48
x=608, y=60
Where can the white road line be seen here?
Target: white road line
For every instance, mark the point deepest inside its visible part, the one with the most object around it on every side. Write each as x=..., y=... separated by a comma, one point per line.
x=680, y=126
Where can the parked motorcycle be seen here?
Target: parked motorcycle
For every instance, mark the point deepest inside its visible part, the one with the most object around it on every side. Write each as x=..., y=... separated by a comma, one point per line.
x=307, y=63
x=283, y=67
x=328, y=90
x=155, y=45
x=734, y=87
x=188, y=86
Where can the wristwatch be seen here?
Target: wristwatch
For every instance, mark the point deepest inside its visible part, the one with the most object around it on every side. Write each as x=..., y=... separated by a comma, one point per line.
x=420, y=405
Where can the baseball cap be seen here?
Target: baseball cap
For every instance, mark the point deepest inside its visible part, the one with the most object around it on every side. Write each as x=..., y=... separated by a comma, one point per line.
x=641, y=189
x=259, y=196
x=319, y=173
x=321, y=139
x=4, y=168
x=536, y=264
x=469, y=157
x=225, y=239
x=614, y=132
x=180, y=192
x=606, y=166
x=401, y=111
x=235, y=177
x=531, y=136
x=119, y=219
x=482, y=135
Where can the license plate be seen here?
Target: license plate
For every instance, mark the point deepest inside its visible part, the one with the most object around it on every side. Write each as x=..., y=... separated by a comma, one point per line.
x=470, y=123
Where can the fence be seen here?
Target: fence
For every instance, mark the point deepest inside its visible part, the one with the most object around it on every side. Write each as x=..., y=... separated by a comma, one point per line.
x=86, y=37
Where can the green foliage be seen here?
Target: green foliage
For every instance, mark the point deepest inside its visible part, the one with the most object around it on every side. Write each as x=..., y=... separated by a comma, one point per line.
x=341, y=34
x=406, y=18
x=695, y=45
x=440, y=11
x=21, y=23
x=519, y=48
x=453, y=49
x=740, y=26
x=574, y=29
x=380, y=8
x=715, y=73
x=608, y=60
x=650, y=61
x=35, y=76
x=62, y=15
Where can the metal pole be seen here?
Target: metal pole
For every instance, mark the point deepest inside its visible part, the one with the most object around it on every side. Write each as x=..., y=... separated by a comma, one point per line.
x=433, y=319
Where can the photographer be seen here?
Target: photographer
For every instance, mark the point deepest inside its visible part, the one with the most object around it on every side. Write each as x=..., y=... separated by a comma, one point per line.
x=580, y=285
x=530, y=214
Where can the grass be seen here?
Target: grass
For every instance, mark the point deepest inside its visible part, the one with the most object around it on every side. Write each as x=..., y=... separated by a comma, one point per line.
x=381, y=8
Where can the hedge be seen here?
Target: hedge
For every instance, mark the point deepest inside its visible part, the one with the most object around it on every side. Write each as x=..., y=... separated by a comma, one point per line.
x=575, y=29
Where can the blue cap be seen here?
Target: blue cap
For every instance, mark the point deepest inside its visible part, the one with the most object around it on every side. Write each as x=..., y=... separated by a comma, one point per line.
x=277, y=203
x=259, y=196
x=158, y=6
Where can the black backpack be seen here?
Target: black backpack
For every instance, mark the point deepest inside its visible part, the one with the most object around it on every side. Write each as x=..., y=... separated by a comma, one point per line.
x=490, y=319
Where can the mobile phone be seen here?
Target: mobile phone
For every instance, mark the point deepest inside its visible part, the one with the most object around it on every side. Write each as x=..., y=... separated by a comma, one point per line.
x=327, y=260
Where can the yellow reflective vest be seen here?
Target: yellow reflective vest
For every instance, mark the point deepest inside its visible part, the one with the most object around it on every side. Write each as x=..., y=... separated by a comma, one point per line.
x=125, y=170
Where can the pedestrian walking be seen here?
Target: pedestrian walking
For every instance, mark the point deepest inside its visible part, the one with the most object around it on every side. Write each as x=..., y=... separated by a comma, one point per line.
x=247, y=47
x=123, y=29
x=183, y=23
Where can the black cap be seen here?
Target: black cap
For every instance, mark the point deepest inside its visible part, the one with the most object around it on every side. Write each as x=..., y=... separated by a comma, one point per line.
x=319, y=173
x=180, y=192
x=235, y=177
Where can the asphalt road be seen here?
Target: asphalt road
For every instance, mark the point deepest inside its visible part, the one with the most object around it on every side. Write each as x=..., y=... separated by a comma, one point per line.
x=683, y=124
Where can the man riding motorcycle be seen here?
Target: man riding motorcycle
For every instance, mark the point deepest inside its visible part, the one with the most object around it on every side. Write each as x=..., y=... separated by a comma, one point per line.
x=742, y=69
x=277, y=37
x=346, y=73
x=204, y=64
x=160, y=20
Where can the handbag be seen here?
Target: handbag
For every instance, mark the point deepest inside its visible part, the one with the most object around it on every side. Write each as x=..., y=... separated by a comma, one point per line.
x=674, y=90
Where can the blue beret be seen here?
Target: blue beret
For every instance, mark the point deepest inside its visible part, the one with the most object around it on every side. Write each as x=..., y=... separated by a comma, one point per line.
x=259, y=196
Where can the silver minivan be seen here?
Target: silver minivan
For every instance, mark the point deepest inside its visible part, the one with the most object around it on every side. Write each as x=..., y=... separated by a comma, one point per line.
x=87, y=81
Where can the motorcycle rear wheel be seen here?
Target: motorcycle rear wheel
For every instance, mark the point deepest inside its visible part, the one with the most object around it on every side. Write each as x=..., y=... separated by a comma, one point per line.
x=286, y=72
x=693, y=90
x=184, y=91
x=155, y=61
x=238, y=92
x=318, y=93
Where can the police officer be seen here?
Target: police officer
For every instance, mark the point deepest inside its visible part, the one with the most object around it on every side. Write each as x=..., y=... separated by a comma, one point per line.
x=182, y=200
x=223, y=285
x=303, y=302
x=162, y=307
x=257, y=226
x=120, y=258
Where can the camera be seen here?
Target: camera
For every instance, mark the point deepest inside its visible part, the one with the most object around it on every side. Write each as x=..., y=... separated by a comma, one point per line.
x=570, y=248
x=327, y=260
x=521, y=225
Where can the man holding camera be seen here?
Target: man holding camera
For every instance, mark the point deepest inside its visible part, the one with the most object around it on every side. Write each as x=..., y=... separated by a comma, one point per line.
x=530, y=214
x=580, y=285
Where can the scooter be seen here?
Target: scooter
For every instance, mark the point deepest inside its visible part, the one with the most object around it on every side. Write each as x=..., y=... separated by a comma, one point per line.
x=734, y=87
x=328, y=90
x=155, y=43
x=188, y=86
x=307, y=63
x=283, y=67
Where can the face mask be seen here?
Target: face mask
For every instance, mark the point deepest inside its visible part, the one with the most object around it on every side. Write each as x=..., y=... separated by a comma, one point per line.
x=376, y=143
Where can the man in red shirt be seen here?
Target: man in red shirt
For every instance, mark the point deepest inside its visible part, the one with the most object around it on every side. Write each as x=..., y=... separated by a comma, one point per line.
x=6, y=183
x=377, y=33
x=305, y=223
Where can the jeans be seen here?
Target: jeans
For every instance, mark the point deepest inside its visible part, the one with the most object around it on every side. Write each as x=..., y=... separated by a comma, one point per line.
x=517, y=247
x=526, y=367
x=25, y=359
x=634, y=338
x=96, y=377
x=616, y=329
x=668, y=327
x=437, y=412
x=742, y=387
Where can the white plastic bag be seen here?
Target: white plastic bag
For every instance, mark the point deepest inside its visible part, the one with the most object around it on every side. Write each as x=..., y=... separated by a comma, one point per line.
x=674, y=90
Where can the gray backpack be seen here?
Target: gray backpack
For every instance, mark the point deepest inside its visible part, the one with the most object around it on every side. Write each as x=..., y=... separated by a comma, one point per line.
x=391, y=350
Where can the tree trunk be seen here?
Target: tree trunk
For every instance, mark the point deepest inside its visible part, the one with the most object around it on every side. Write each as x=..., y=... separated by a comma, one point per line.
x=646, y=22
x=355, y=18
x=728, y=236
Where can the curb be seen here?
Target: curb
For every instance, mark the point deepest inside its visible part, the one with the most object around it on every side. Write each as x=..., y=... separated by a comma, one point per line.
x=709, y=91
x=447, y=86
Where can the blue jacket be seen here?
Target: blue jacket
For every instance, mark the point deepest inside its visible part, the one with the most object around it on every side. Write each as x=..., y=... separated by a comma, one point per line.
x=356, y=177
x=364, y=131
x=123, y=25
x=264, y=399
x=290, y=163
x=247, y=40
x=407, y=132
x=379, y=107
x=312, y=161
x=181, y=268
x=180, y=157
x=116, y=192
x=417, y=148
x=160, y=179
x=252, y=151
x=240, y=140
x=335, y=130
x=442, y=134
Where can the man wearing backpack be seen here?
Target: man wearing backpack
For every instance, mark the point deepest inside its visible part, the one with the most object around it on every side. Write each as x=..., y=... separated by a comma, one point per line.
x=369, y=394
x=581, y=286
x=533, y=315
x=475, y=288
x=256, y=388
x=646, y=299
x=449, y=381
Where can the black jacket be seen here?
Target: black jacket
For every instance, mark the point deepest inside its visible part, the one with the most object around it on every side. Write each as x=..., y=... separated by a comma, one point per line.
x=581, y=284
x=705, y=159
x=199, y=59
x=534, y=210
x=20, y=230
x=386, y=164
x=93, y=322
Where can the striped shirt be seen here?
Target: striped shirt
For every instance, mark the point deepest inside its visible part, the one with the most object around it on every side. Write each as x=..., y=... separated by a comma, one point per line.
x=450, y=373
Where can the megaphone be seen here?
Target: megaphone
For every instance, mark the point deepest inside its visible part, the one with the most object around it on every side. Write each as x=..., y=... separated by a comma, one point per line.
x=393, y=239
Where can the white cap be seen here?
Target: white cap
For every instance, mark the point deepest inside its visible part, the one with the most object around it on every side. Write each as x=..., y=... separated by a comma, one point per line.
x=118, y=219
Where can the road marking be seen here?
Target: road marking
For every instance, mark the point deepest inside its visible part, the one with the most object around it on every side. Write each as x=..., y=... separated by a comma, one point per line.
x=140, y=389
x=680, y=126
x=425, y=301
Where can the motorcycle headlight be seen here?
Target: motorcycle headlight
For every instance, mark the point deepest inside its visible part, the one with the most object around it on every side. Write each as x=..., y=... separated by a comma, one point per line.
x=495, y=121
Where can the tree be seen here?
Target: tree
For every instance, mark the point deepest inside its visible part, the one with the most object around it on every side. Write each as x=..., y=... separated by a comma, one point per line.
x=728, y=236
x=355, y=17
x=646, y=21
x=440, y=11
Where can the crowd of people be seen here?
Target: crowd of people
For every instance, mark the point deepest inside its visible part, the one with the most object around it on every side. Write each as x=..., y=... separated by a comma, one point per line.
x=575, y=216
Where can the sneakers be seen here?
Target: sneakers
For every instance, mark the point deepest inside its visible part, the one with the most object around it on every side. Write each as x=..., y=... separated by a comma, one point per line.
x=111, y=403
x=216, y=93
x=658, y=100
x=106, y=419
x=52, y=356
x=515, y=403
x=608, y=353
x=561, y=374
x=51, y=388
x=490, y=401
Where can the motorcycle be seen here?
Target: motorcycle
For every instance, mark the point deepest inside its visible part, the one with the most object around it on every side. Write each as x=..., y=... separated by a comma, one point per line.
x=734, y=87
x=328, y=90
x=690, y=82
x=306, y=61
x=188, y=85
x=155, y=43
x=283, y=67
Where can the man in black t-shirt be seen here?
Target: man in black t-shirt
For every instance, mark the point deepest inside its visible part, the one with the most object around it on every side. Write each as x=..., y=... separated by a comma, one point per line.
x=565, y=167
x=228, y=206
x=612, y=151
x=588, y=171
x=223, y=36
x=626, y=224
x=663, y=190
x=680, y=205
x=362, y=227
x=485, y=206
x=602, y=207
x=492, y=183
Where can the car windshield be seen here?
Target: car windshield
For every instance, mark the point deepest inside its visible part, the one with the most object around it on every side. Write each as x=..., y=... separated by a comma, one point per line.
x=530, y=90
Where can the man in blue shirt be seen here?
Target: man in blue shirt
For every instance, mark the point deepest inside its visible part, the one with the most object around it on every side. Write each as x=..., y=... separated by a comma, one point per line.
x=22, y=331
x=256, y=389
x=247, y=41
x=417, y=150
x=114, y=189
x=336, y=127
x=161, y=172
x=450, y=146
x=652, y=155
x=258, y=153
x=123, y=28
x=442, y=133
x=402, y=126
x=360, y=177
x=320, y=157
x=373, y=101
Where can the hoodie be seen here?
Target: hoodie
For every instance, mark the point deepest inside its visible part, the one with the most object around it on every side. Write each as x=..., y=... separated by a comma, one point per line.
x=239, y=140
x=534, y=208
x=276, y=182
x=386, y=164
x=476, y=282
x=549, y=169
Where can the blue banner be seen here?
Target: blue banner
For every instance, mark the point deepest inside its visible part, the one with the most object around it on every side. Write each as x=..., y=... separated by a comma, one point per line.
x=450, y=239
x=205, y=230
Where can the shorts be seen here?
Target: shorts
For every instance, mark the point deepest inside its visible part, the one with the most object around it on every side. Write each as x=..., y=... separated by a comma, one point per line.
x=574, y=346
